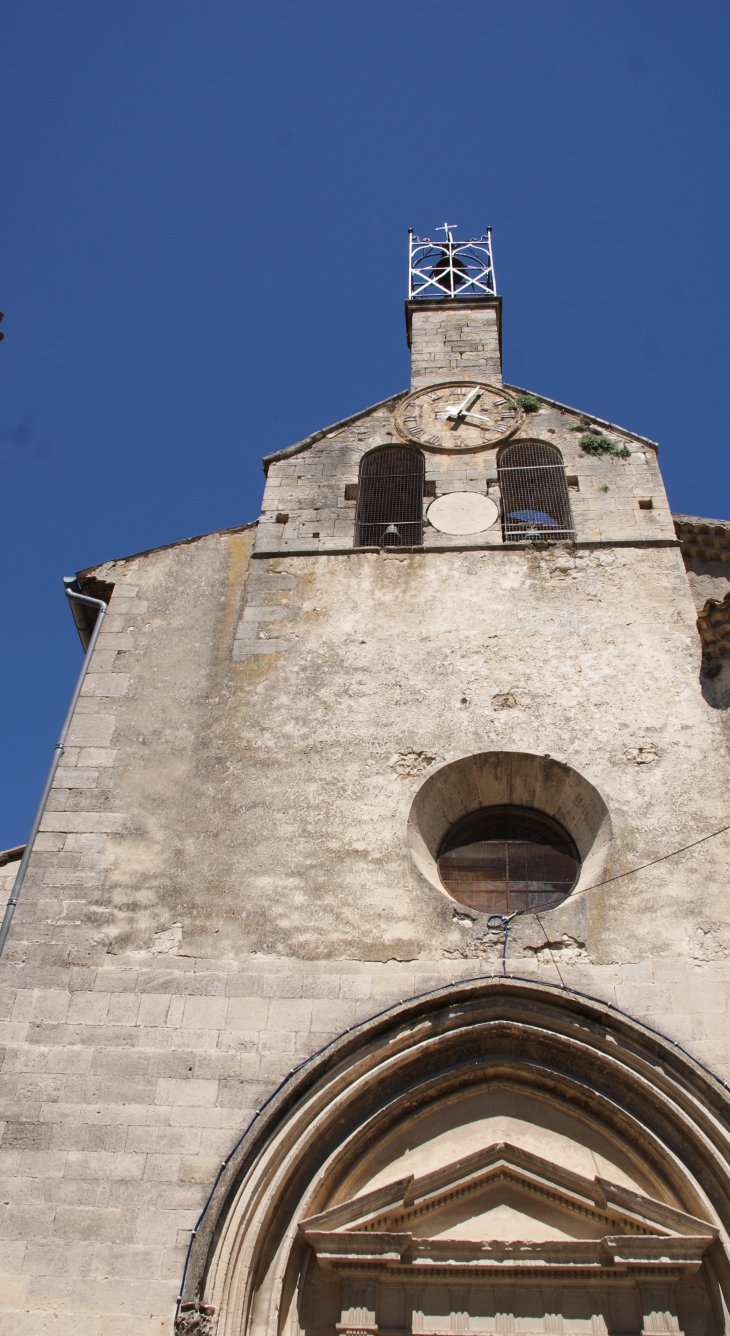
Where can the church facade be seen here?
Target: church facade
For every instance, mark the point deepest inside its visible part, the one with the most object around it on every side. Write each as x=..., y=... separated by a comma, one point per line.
x=371, y=971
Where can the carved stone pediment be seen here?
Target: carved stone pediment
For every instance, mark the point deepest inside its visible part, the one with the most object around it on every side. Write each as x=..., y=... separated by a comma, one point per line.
x=505, y=1209
x=498, y=1159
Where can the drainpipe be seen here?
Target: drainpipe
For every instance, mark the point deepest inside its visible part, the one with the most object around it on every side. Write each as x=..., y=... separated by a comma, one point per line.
x=57, y=754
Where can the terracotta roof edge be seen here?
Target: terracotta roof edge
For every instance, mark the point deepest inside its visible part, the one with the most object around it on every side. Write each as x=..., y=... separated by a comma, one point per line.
x=699, y=519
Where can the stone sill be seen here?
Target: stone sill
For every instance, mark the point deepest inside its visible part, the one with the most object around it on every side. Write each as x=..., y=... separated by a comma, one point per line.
x=463, y=547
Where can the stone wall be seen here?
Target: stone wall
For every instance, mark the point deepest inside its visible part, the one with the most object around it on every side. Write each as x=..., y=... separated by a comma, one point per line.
x=454, y=339
x=305, y=507
x=253, y=732
x=126, y=1081
x=223, y=882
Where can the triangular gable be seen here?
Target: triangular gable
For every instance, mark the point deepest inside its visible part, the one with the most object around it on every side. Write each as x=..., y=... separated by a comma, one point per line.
x=397, y=1208
x=393, y=399
x=579, y=413
x=309, y=441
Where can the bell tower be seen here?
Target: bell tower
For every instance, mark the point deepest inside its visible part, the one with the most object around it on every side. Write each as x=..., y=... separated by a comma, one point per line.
x=453, y=313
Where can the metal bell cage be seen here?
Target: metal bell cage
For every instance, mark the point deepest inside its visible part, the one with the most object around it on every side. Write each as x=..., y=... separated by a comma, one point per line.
x=451, y=268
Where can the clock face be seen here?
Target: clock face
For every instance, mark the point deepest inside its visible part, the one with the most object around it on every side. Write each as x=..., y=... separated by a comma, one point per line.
x=458, y=415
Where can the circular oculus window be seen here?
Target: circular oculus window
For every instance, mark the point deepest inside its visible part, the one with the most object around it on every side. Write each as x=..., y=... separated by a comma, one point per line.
x=500, y=860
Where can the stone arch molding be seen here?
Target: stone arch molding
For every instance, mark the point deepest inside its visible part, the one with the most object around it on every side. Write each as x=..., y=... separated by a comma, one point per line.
x=498, y=1156
x=490, y=778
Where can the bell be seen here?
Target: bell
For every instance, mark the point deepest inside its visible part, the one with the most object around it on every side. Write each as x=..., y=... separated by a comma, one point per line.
x=391, y=537
x=450, y=270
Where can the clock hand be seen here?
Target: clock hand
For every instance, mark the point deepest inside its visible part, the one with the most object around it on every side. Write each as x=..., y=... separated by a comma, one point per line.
x=474, y=394
x=469, y=417
x=461, y=409
x=459, y=418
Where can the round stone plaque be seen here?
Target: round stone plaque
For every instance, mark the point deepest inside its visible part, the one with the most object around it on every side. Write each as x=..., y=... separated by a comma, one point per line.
x=462, y=513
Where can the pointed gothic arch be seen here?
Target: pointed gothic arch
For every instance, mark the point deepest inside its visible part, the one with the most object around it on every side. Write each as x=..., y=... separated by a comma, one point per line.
x=498, y=1155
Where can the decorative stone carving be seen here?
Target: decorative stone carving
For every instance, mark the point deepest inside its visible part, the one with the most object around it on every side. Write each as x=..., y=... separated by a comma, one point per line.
x=358, y=1309
x=195, y=1319
x=486, y=1161
x=443, y=1219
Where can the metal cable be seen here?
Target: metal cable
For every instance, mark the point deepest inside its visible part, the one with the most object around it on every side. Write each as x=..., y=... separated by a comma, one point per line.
x=504, y=921
x=617, y=877
x=652, y=862
x=550, y=949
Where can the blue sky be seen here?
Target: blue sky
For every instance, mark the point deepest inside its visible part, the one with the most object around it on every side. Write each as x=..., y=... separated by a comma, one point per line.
x=203, y=232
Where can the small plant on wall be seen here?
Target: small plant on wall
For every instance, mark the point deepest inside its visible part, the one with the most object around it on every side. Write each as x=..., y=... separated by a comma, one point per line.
x=529, y=402
x=596, y=443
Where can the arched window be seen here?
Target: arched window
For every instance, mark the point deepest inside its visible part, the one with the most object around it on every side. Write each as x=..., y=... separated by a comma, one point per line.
x=502, y=859
x=390, y=498
x=535, y=501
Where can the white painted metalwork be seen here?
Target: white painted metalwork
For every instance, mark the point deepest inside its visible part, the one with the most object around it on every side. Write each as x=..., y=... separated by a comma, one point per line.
x=451, y=268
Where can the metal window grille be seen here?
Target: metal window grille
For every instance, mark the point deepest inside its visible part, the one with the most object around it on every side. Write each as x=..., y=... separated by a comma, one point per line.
x=451, y=268
x=390, y=498
x=504, y=859
x=535, y=500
